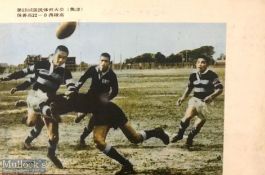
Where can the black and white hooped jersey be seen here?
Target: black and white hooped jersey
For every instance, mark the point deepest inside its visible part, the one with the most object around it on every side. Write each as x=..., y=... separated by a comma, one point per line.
x=26, y=84
x=101, y=82
x=46, y=77
x=204, y=84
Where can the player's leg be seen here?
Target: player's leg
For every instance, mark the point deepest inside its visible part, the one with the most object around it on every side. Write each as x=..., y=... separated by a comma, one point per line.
x=184, y=123
x=115, y=117
x=53, y=135
x=100, y=133
x=198, y=124
x=32, y=117
x=136, y=137
x=80, y=116
x=34, y=133
x=87, y=130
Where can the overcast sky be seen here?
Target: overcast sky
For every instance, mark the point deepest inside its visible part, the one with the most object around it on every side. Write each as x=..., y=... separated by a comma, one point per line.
x=121, y=40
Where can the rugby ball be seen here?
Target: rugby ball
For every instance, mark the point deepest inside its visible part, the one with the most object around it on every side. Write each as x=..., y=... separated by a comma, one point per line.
x=65, y=29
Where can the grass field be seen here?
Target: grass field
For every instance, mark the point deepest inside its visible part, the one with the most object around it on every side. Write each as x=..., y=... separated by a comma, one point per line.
x=148, y=98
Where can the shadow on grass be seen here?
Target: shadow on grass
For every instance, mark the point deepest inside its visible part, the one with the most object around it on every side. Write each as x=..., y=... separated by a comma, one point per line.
x=199, y=147
x=196, y=171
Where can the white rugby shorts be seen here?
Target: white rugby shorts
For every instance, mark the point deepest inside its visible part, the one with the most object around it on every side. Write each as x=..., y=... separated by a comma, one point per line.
x=35, y=98
x=202, y=108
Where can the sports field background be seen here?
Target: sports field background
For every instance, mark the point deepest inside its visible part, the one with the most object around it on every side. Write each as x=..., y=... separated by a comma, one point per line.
x=148, y=97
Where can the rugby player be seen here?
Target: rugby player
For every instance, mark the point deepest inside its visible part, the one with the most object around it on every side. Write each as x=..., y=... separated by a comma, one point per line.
x=104, y=84
x=206, y=86
x=106, y=114
x=49, y=75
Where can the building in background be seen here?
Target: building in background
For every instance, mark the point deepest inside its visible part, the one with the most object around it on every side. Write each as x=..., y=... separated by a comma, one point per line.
x=31, y=59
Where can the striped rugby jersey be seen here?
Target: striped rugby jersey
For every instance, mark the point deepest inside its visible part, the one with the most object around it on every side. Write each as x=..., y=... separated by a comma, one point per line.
x=47, y=78
x=23, y=86
x=204, y=84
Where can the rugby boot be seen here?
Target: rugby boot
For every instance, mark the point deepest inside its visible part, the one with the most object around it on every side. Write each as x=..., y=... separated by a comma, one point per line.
x=126, y=169
x=192, y=134
x=82, y=142
x=189, y=142
x=27, y=145
x=55, y=161
x=160, y=133
x=179, y=136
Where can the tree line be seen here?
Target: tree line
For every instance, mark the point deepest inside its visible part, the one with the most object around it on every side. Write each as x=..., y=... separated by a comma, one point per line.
x=182, y=56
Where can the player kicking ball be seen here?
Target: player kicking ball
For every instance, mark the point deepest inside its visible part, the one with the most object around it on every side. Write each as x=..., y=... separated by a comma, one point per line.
x=48, y=75
x=107, y=115
x=206, y=87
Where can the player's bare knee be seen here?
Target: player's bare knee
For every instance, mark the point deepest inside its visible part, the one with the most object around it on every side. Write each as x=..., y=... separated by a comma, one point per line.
x=188, y=116
x=30, y=123
x=190, y=112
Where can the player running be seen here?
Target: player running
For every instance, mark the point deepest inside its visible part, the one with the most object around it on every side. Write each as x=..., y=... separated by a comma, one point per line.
x=206, y=87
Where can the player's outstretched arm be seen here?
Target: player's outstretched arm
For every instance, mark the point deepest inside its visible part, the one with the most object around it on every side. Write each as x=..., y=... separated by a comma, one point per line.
x=70, y=84
x=23, y=86
x=5, y=79
x=184, y=96
x=18, y=74
x=83, y=78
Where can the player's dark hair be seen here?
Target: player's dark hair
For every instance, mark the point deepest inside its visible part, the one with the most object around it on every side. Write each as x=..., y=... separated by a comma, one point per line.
x=62, y=48
x=105, y=54
x=206, y=58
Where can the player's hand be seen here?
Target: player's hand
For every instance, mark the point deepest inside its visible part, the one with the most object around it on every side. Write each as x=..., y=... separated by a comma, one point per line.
x=13, y=90
x=208, y=99
x=180, y=100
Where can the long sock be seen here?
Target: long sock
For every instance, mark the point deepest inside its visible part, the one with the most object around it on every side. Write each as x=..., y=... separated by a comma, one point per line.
x=182, y=127
x=148, y=134
x=35, y=132
x=51, y=154
x=88, y=129
x=45, y=109
x=85, y=133
x=195, y=130
x=52, y=147
x=113, y=153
